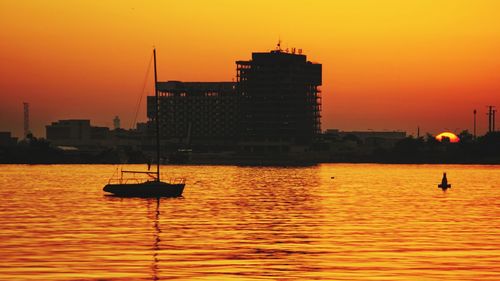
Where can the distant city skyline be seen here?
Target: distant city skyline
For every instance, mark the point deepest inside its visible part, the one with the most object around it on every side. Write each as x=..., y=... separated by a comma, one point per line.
x=387, y=65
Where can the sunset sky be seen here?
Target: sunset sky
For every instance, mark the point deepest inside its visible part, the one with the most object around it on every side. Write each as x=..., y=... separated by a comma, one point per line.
x=387, y=65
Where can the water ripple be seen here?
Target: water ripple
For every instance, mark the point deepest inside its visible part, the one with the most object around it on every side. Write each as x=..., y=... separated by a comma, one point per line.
x=371, y=222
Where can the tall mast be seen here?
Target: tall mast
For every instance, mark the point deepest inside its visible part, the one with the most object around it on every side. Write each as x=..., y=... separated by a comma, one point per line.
x=157, y=118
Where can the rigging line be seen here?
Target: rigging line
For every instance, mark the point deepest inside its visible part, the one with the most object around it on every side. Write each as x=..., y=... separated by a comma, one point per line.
x=139, y=101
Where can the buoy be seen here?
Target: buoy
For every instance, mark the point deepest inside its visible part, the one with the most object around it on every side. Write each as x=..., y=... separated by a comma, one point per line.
x=444, y=183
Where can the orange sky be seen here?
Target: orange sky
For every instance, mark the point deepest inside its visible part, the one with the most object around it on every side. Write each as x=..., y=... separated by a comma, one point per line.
x=387, y=65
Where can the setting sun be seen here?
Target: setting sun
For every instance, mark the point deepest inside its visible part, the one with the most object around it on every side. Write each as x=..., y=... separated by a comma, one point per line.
x=451, y=136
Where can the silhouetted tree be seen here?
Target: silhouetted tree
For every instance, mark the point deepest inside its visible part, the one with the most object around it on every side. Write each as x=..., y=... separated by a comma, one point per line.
x=466, y=137
x=408, y=149
x=489, y=145
x=432, y=143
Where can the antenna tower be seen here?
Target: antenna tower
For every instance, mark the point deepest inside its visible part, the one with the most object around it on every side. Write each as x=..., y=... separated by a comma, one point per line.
x=475, y=111
x=26, y=119
x=491, y=118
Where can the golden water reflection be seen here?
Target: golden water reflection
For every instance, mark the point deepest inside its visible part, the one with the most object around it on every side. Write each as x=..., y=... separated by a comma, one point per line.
x=371, y=222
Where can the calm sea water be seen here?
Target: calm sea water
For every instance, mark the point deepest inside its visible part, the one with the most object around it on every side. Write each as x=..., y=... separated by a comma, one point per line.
x=371, y=222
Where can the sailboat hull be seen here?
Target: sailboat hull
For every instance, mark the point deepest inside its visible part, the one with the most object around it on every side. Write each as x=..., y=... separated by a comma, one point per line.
x=146, y=189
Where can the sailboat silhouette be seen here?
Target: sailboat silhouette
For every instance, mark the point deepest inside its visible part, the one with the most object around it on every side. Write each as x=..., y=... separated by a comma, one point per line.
x=154, y=187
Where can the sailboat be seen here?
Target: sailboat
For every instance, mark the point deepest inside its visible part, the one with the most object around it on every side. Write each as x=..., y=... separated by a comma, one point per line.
x=153, y=187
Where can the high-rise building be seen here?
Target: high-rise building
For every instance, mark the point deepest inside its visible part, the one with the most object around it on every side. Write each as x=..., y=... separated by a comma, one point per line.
x=280, y=97
x=274, y=103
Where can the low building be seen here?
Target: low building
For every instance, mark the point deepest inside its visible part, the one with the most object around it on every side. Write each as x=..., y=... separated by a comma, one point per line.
x=369, y=138
x=77, y=133
x=6, y=139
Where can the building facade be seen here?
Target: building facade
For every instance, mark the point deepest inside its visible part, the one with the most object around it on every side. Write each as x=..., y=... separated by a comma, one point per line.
x=197, y=112
x=280, y=99
x=78, y=133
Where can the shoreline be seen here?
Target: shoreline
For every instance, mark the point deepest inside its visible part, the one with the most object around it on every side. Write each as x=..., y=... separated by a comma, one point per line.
x=271, y=163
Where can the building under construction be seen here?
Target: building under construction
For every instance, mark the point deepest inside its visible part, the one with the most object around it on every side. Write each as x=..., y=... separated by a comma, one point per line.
x=280, y=100
x=274, y=104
